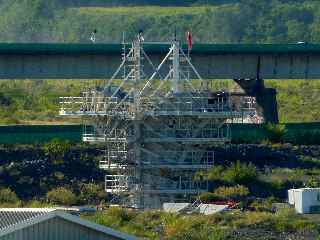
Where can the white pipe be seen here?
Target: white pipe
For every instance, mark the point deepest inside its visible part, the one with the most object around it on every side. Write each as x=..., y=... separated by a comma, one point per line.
x=122, y=83
x=155, y=73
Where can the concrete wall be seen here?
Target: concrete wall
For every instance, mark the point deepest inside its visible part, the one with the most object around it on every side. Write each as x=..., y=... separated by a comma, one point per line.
x=56, y=229
x=210, y=66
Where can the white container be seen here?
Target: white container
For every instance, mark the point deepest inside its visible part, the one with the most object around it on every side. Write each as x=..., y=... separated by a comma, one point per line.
x=174, y=207
x=291, y=196
x=208, y=209
x=304, y=198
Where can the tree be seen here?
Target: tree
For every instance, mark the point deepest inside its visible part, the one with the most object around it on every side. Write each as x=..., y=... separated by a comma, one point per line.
x=8, y=196
x=61, y=196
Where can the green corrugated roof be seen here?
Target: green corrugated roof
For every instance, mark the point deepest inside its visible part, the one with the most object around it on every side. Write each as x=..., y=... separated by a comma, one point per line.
x=72, y=48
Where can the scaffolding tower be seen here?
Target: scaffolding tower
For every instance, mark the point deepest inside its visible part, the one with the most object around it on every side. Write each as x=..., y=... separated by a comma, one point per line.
x=158, y=132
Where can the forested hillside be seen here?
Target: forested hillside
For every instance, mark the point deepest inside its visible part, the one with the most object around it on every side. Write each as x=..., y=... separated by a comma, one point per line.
x=214, y=21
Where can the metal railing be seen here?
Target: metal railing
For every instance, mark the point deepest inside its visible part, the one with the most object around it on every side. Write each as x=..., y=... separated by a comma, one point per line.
x=180, y=134
x=117, y=160
x=125, y=107
x=168, y=185
x=91, y=106
x=176, y=159
x=116, y=135
x=117, y=183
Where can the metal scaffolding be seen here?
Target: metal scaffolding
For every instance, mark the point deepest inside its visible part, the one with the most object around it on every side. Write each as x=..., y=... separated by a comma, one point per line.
x=157, y=131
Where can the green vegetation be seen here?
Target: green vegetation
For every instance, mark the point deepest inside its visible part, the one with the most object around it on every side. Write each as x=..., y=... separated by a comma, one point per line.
x=256, y=182
x=227, y=225
x=36, y=101
x=256, y=176
x=298, y=100
x=61, y=196
x=241, y=171
x=237, y=173
x=275, y=132
x=141, y=11
x=91, y=193
x=8, y=197
x=56, y=173
x=237, y=192
x=33, y=101
x=218, y=21
x=114, y=3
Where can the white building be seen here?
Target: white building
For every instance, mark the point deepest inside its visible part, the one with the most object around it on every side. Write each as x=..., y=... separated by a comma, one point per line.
x=305, y=200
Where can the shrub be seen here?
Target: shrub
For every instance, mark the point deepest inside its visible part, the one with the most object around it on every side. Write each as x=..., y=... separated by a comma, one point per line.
x=209, y=197
x=275, y=132
x=7, y=196
x=252, y=220
x=37, y=204
x=225, y=193
x=56, y=149
x=264, y=205
x=115, y=217
x=91, y=193
x=192, y=227
x=237, y=192
x=313, y=182
x=287, y=220
x=215, y=173
x=148, y=224
x=61, y=196
x=239, y=173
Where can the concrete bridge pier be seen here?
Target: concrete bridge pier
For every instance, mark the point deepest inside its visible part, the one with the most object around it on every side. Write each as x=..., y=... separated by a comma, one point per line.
x=266, y=98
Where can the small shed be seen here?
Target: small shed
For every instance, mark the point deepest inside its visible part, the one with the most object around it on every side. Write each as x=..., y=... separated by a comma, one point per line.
x=52, y=224
x=305, y=200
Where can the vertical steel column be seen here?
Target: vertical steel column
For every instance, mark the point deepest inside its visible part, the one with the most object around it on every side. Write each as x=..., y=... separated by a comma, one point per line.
x=176, y=66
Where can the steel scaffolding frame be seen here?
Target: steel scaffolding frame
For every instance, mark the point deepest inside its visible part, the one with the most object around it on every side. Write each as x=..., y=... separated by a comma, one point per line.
x=155, y=141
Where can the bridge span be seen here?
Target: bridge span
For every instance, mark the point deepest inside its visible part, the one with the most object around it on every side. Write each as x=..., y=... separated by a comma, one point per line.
x=213, y=61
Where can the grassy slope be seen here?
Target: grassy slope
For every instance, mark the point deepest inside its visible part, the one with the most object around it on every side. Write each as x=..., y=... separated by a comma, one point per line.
x=34, y=101
x=298, y=100
x=143, y=11
x=229, y=225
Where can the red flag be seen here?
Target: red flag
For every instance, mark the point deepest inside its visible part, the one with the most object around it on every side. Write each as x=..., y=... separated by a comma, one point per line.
x=189, y=40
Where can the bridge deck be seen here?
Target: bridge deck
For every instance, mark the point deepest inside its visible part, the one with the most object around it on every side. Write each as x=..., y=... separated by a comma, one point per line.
x=213, y=61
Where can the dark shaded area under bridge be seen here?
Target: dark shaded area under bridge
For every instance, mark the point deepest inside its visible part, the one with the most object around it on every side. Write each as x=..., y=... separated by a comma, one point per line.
x=247, y=64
